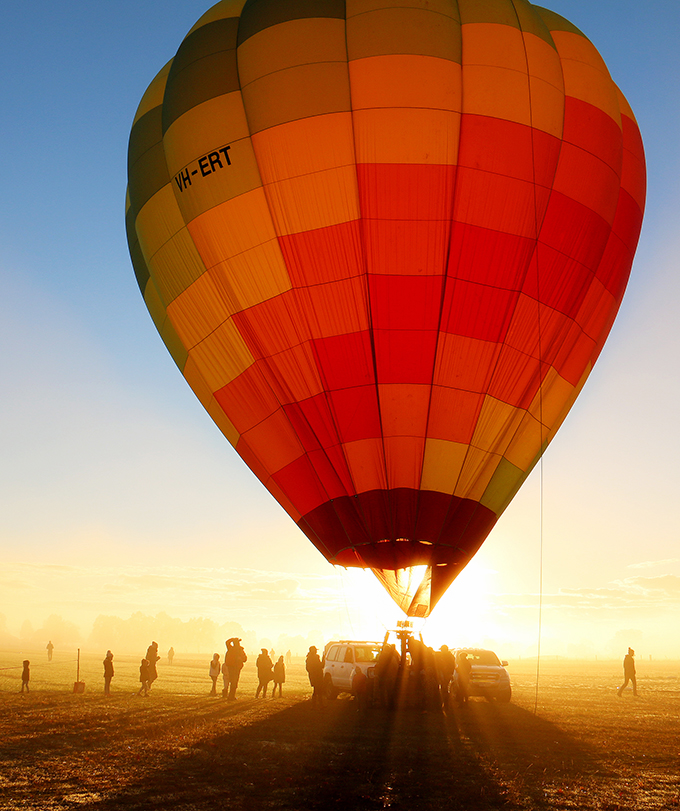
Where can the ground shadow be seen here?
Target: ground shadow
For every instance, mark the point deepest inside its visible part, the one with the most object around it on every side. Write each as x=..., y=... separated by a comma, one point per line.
x=481, y=756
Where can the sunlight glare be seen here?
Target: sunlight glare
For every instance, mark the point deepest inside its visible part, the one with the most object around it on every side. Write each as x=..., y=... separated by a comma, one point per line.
x=462, y=617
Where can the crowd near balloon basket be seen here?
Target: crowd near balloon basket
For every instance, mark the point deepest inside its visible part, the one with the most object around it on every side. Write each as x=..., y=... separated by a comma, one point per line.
x=399, y=671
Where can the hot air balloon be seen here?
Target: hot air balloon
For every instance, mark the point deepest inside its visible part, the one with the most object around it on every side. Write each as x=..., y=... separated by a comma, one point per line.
x=385, y=242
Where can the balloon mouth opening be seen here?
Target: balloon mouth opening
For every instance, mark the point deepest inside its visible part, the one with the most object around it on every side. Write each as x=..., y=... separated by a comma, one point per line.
x=410, y=588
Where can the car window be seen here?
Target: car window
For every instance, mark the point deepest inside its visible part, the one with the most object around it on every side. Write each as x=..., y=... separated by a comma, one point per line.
x=332, y=654
x=348, y=655
x=366, y=653
x=483, y=657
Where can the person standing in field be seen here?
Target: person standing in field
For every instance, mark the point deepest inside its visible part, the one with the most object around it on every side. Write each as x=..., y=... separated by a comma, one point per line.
x=234, y=660
x=265, y=672
x=464, y=672
x=628, y=673
x=360, y=688
x=49, y=648
x=215, y=669
x=446, y=664
x=279, y=677
x=25, y=676
x=108, y=672
x=315, y=670
x=171, y=655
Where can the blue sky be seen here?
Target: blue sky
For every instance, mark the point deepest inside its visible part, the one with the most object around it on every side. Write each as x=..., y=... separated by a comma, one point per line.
x=118, y=493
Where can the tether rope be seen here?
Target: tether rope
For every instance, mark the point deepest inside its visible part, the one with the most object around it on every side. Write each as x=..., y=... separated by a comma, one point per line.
x=540, y=582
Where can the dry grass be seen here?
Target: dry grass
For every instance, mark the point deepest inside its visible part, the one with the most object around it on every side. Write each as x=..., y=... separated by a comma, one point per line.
x=181, y=749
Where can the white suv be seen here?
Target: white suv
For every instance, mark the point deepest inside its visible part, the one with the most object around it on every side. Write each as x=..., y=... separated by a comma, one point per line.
x=340, y=660
x=488, y=676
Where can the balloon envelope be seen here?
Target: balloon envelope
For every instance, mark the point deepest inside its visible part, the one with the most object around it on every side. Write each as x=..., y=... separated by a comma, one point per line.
x=385, y=244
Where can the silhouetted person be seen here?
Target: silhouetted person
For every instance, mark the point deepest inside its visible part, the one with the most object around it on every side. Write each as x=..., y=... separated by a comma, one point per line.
x=417, y=676
x=233, y=660
x=108, y=672
x=49, y=647
x=25, y=676
x=279, y=677
x=387, y=674
x=171, y=655
x=152, y=657
x=289, y=657
x=265, y=672
x=215, y=669
x=360, y=688
x=628, y=672
x=464, y=671
x=315, y=670
x=433, y=701
x=446, y=664
x=144, y=677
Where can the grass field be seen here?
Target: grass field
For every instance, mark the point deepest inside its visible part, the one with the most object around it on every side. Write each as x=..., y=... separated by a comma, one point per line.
x=179, y=748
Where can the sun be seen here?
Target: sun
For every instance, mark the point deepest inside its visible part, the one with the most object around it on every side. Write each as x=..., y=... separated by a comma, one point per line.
x=462, y=617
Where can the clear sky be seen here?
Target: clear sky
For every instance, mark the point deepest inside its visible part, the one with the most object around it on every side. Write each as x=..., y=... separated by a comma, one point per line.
x=117, y=492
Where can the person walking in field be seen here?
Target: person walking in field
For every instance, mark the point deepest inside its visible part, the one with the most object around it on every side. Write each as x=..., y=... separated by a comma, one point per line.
x=152, y=658
x=144, y=677
x=215, y=669
x=25, y=676
x=49, y=648
x=628, y=673
x=108, y=672
x=279, y=677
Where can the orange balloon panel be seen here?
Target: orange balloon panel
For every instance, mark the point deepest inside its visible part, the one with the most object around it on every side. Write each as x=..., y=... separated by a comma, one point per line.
x=385, y=245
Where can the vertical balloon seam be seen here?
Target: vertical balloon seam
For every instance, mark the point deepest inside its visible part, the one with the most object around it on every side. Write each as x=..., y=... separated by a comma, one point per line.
x=322, y=376
x=371, y=330
x=357, y=501
x=539, y=370
x=443, y=294
x=374, y=358
x=442, y=300
x=490, y=375
x=358, y=505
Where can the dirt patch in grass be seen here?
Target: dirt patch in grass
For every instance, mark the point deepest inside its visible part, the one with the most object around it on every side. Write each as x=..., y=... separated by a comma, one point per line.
x=179, y=748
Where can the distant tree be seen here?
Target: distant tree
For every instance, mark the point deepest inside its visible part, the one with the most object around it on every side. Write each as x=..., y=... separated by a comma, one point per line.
x=135, y=634
x=60, y=631
x=297, y=645
x=26, y=631
x=6, y=638
x=624, y=639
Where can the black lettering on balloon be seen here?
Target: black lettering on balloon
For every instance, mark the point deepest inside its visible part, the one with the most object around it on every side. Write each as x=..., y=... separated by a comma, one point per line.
x=206, y=165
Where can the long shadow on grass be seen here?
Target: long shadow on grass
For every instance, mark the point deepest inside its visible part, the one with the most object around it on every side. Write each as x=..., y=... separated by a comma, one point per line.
x=482, y=756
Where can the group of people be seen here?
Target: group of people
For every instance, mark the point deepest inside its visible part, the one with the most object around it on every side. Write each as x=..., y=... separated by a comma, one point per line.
x=426, y=678
x=430, y=673
x=147, y=669
x=234, y=659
